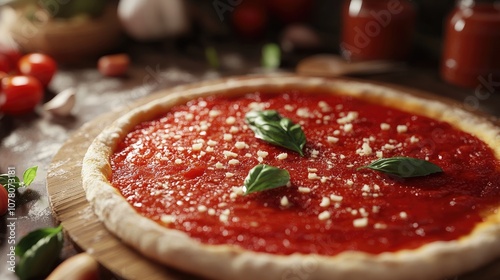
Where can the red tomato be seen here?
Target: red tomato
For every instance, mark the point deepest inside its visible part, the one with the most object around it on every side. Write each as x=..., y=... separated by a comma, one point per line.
x=38, y=65
x=5, y=64
x=20, y=94
x=290, y=11
x=250, y=20
x=4, y=200
x=113, y=65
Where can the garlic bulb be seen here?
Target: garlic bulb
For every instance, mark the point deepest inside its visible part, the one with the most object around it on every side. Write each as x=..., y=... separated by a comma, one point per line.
x=153, y=19
x=62, y=104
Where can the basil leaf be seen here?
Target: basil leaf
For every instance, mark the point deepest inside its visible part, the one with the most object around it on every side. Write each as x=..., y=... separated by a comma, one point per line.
x=4, y=180
x=404, y=167
x=271, y=56
x=212, y=58
x=264, y=177
x=39, y=252
x=271, y=127
x=29, y=175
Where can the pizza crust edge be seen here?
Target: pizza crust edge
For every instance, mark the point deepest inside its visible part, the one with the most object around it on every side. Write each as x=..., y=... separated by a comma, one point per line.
x=177, y=249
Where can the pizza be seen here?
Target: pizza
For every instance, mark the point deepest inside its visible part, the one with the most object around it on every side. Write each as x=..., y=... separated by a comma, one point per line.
x=364, y=181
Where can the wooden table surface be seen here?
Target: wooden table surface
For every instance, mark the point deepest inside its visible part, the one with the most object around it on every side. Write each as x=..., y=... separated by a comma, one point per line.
x=36, y=138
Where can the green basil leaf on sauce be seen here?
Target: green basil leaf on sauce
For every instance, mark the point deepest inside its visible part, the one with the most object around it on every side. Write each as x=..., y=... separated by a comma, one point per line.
x=403, y=167
x=264, y=177
x=39, y=252
x=273, y=128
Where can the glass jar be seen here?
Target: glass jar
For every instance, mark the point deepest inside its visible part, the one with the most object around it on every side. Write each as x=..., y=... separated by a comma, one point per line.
x=471, y=51
x=377, y=29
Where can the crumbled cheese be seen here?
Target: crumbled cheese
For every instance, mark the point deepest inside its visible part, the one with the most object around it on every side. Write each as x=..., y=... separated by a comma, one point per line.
x=284, y=201
x=403, y=215
x=229, y=174
x=230, y=120
x=189, y=116
x=288, y=107
x=379, y=154
x=331, y=139
x=312, y=176
x=349, y=182
x=202, y=208
x=211, y=211
x=385, y=126
x=262, y=154
x=365, y=188
x=303, y=112
x=197, y=146
x=234, y=129
x=364, y=150
x=325, y=215
x=227, y=137
x=178, y=161
x=240, y=145
x=350, y=117
x=348, y=127
x=304, y=190
x=228, y=154
x=414, y=139
x=211, y=143
x=234, y=162
x=214, y=113
x=209, y=149
x=282, y=156
x=401, y=128
x=312, y=169
x=336, y=198
x=325, y=202
x=336, y=132
x=168, y=219
x=224, y=218
x=361, y=222
x=219, y=165
x=379, y=226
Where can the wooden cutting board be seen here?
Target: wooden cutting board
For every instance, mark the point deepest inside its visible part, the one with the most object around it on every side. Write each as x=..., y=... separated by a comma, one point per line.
x=70, y=207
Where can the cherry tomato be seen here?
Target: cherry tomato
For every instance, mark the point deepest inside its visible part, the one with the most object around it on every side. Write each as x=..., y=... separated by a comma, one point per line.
x=38, y=65
x=113, y=65
x=4, y=200
x=5, y=64
x=250, y=20
x=20, y=94
x=290, y=11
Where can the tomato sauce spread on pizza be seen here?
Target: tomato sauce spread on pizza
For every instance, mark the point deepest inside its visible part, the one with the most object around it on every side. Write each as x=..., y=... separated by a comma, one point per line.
x=186, y=169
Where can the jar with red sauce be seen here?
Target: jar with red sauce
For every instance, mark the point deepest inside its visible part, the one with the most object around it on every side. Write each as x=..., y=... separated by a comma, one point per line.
x=471, y=53
x=377, y=29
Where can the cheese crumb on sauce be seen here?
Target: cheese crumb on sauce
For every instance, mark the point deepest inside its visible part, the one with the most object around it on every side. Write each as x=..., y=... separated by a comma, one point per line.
x=361, y=222
x=325, y=215
x=325, y=202
x=402, y=128
x=385, y=126
x=282, y=156
x=168, y=219
x=284, y=201
x=304, y=190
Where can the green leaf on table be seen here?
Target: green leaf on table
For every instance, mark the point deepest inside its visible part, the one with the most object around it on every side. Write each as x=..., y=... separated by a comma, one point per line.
x=4, y=180
x=264, y=177
x=404, y=167
x=271, y=127
x=271, y=56
x=29, y=175
x=12, y=180
x=39, y=252
x=212, y=57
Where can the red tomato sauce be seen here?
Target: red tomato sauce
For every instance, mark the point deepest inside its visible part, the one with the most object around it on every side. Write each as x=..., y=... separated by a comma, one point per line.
x=185, y=170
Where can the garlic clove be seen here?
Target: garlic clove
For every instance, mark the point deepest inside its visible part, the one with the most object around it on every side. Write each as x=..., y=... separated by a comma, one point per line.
x=62, y=104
